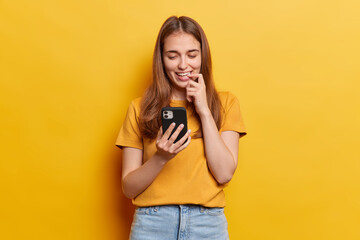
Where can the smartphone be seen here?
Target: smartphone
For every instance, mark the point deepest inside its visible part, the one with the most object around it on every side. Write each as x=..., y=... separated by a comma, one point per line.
x=176, y=115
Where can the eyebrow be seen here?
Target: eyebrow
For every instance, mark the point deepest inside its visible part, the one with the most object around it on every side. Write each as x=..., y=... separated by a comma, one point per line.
x=191, y=50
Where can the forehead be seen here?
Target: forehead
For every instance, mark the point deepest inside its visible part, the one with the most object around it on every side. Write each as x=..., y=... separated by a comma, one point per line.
x=180, y=42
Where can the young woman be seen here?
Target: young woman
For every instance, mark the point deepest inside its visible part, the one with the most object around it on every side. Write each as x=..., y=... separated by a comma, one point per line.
x=177, y=188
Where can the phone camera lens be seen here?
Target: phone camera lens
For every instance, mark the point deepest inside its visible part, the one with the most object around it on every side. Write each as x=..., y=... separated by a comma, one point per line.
x=166, y=116
x=165, y=112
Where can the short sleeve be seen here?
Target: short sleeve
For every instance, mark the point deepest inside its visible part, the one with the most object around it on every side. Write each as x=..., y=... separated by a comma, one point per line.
x=232, y=118
x=130, y=135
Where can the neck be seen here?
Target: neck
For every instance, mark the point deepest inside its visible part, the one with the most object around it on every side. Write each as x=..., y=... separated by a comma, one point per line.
x=178, y=95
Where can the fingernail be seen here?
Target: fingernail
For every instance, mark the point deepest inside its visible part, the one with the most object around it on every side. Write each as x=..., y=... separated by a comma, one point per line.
x=181, y=125
x=189, y=130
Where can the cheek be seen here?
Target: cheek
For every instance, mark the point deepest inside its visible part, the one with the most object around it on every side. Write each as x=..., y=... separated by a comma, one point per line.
x=196, y=64
x=169, y=65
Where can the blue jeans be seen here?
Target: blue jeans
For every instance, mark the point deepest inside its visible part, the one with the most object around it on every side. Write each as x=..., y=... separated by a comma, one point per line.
x=179, y=222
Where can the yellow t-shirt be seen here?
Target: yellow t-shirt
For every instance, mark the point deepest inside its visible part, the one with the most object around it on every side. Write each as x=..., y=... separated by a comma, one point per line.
x=185, y=179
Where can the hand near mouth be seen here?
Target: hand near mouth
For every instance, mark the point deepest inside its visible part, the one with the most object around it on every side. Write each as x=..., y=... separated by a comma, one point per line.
x=196, y=93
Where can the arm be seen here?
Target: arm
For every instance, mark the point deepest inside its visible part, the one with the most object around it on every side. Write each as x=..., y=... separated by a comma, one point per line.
x=221, y=150
x=136, y=176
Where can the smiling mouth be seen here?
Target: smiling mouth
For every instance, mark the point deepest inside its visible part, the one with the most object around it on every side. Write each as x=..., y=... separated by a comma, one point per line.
x=184, y=74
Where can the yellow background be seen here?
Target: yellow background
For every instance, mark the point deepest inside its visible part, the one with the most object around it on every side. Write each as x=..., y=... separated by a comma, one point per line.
x=68, y=70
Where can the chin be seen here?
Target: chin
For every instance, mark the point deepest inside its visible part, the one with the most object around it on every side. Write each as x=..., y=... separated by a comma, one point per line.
x=181, y=85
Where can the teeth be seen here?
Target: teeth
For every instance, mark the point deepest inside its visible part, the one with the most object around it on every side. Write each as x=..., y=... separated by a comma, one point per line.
x=183, y=74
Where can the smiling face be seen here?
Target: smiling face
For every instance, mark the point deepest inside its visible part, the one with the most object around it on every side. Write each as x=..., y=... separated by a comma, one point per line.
x=181, y=57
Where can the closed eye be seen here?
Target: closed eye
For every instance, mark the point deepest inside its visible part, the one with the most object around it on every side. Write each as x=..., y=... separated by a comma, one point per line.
x=171, y=57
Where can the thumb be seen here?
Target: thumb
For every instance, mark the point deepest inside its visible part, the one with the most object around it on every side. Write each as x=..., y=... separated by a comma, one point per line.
x=188, y=97
x=160, y=133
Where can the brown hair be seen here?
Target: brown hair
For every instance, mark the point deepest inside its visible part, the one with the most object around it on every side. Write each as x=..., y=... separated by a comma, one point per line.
x=158, y=94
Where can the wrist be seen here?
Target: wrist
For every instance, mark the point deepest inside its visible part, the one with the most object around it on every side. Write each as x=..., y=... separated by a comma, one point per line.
x=161, y=158
x=205, y=113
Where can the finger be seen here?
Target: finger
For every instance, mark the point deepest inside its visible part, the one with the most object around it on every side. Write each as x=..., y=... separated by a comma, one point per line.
x=192, y=90
x=168, y=131
x=182, y=147
x=192, y=84
x=191, y=95
x=183, y=139
x=175, y=134
x=188, y=97
x=194, y=76
x=188, y=83
x=199, y=77
x=158, y=137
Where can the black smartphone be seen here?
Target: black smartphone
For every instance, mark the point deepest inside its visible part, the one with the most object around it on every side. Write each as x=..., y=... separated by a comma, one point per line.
x=176, y=115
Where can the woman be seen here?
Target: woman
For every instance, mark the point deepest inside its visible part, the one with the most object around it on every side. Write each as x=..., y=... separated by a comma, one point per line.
x=177, y=188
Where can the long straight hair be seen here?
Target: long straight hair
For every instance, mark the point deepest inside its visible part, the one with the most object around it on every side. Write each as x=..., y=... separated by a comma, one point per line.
x=158, y=94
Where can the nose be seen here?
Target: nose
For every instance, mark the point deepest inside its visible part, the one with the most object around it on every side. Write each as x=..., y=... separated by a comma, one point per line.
x=182, y=64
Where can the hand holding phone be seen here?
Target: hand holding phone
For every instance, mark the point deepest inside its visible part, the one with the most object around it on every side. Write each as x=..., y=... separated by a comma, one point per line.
x=175, y=115
x=173, y=136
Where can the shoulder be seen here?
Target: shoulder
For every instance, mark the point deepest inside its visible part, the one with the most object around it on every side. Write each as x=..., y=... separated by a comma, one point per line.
x=227, y=98
x=232, y=120
x=136, y=103
x=134, y=108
